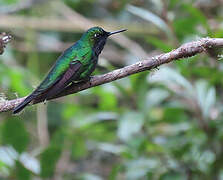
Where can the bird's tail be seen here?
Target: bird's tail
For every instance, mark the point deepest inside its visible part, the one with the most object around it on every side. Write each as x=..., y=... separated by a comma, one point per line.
x=23, y=104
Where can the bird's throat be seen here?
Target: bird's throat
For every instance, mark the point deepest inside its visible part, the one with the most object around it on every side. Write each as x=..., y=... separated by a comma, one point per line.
x=98, y=47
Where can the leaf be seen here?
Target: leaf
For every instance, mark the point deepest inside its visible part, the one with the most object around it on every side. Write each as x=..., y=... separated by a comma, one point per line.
x=172, y=79
x=8, y=2
x=114, y=172
x=129, y=124
x=16, y=79
x=15, y=134
x=93, y=118
x=138, y=168
x=206, y=97
x=78, y=148
x=155, y=96
x=184, y=27
x=151, y=17
x=108, y=101
x=9, y=158
x=197, y=14
x=111, y=148
x=186, y=24
x=138, y=82
x=139, y=89
x=205, y=71
x=173, y=3
x=21, y=172
x=107, y=97
x=8, y=155
x=173, y=176
x=48, y=160
x=174, y=115
x=30, y=163
x=89, y=176
x=160, y=44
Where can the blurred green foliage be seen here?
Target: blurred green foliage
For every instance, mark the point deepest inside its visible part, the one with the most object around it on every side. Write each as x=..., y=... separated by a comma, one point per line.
x=15, y=134
x=164, y=124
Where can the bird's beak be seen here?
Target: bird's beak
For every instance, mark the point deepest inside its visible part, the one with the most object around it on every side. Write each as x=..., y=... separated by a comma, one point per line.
x=115, y=32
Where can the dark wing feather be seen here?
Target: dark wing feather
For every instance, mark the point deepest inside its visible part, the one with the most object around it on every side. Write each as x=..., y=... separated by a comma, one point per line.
x=23, y=104
x=71, y=74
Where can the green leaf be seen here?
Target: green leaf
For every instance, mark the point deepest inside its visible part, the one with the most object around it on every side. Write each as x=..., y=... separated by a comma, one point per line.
x=184, y=26
x=197, y=14
x=107, y=97
x=15, y=134
x=138, y=168
x=155, y=96
x=30, y=163
x=206, y=97
x=48, y=160
x=173, y=176
x=78, y=148
x=173, y=115
x=138, y=81
x=88, y=176
x=150, y=17
x=160, y=44
x=173, y=3
x=172, y=78
x=108, y=101
x=8, y=2
x=129, y=124
x=114, y=172
x=21, y=172
x=16, y=82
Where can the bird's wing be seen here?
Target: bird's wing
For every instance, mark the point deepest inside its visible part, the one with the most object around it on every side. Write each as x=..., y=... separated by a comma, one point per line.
x=71, y=74
x=62, y=73
x=62, y=82
x=62, y=65
x=40, y=95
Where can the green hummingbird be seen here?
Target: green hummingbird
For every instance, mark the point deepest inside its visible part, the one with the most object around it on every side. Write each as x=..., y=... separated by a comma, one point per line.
x=75, y=64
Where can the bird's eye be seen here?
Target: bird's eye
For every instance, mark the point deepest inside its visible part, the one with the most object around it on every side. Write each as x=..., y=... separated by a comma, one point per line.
x=96, y=35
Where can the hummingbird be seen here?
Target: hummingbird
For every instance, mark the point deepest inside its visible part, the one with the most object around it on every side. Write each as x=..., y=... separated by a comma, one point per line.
x=75, y=64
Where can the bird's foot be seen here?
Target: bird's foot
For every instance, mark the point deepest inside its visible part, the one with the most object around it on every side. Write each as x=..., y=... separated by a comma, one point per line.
x=82, y=81
x=87, y=79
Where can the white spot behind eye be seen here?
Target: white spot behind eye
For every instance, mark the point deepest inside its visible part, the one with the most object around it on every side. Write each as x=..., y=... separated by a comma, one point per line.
x=95, y=35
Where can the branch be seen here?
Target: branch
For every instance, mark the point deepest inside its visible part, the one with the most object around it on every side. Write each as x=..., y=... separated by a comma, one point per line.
x=184, y=51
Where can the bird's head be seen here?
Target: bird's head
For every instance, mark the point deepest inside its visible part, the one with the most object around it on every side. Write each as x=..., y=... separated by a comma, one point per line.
x=97, y=37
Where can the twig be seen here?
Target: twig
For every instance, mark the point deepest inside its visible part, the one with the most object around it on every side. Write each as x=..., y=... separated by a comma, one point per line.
x=186, y=50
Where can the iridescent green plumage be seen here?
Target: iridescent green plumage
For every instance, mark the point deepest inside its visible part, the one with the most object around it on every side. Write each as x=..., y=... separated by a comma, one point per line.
x=75, y=64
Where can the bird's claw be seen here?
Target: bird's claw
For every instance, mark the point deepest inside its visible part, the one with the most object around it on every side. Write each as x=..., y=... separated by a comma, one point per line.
x=87, y=80
x=82, y=81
